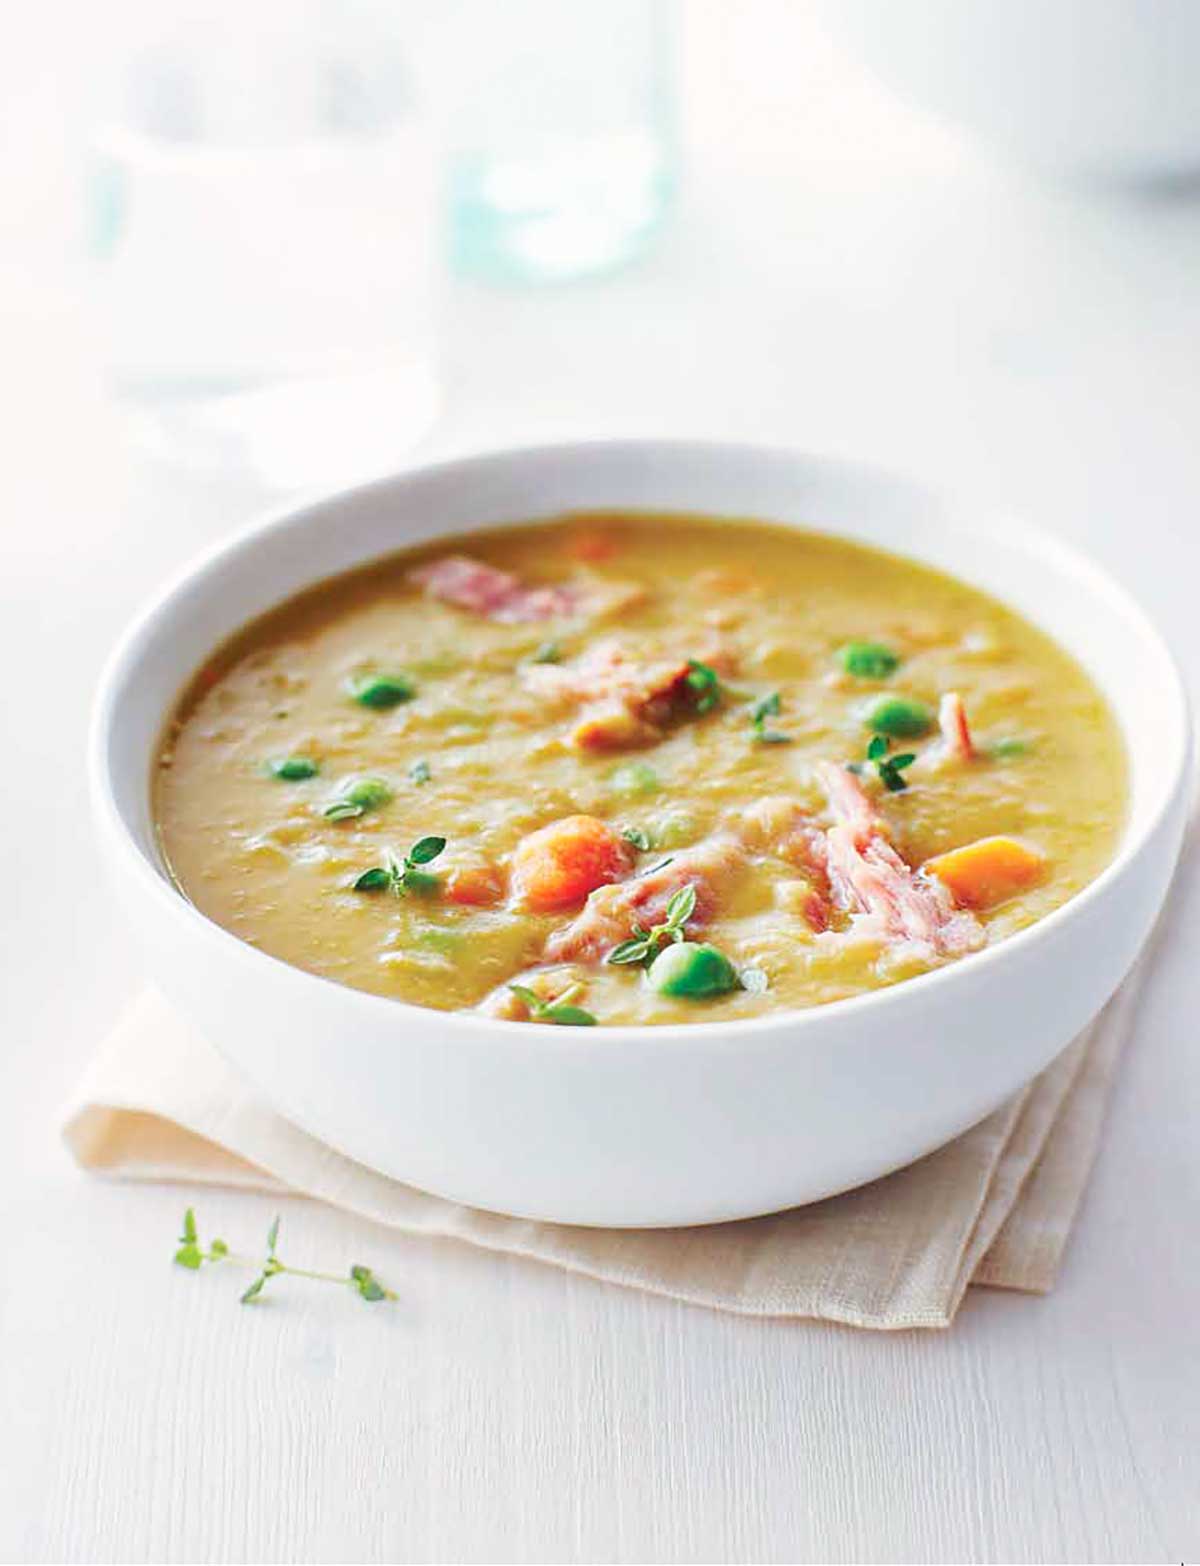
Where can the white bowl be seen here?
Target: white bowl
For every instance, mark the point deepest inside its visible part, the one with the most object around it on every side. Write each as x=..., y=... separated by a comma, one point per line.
x=637, y=1126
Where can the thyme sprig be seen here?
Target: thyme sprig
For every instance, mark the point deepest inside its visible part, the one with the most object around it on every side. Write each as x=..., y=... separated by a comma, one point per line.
x=192, y=1255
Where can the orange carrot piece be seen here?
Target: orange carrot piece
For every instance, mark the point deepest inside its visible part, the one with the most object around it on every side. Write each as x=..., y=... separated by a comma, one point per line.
x=475, y=884
x=986, y=872
x=561, y=863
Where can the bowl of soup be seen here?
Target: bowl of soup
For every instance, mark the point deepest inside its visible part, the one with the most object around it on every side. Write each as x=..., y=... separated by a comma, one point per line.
x=640, y=833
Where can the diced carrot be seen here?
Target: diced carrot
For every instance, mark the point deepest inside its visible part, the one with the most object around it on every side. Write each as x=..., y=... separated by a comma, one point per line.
x=475, y=883
x=984, y=873
x=561, y=863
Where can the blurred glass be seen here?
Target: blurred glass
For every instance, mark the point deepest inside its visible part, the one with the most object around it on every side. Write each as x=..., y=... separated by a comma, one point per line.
x=561, y=134
x=263, y=215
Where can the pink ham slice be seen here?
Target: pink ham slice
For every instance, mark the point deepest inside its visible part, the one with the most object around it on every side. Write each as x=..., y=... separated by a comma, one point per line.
x=500, y=596
x=869, y=880
x=610, y=913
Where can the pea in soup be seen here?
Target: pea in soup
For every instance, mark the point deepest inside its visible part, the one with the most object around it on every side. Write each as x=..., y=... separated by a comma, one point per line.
x=637, y=769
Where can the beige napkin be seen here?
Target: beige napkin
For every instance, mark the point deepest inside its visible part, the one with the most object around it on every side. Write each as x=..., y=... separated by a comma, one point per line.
x=993, y=1207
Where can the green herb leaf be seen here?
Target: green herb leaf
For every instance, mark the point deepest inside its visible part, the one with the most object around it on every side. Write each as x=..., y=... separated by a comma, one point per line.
x=380, y=691
x=644, y=945
x=639, y=839
x=559, y=1011
x=292, y=769
x=367, y=1285
x=531, y=998
x=868, y=660
x=419, y=772
x=765, y=707
x=424, y=850
x=376, y=879
x=680, y=909
x=546, y=652
x=636, y=949
x=569, y=1016
x=190, y=1255
x=706, y=684
x=888, y=767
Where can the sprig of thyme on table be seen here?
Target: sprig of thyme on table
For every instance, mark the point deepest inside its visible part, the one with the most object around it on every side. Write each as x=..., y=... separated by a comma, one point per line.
x=193, y=1255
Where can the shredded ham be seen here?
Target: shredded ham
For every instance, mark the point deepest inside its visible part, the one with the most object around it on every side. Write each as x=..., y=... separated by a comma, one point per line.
x=625, y=701
x=956, y=732
x=781, y=826
x=610, y=913
x=869, y=880
x=470, y=584
x=500, y=596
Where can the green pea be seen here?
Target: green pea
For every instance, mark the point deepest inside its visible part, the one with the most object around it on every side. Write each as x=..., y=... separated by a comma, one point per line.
x=868, y=660
x=380, y=690
x=688, y=968
x=636, y=777
x=292, y=769
x=899, y=718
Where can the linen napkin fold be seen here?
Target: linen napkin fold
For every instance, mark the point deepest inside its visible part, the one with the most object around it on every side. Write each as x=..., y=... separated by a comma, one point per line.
x=994, y=1206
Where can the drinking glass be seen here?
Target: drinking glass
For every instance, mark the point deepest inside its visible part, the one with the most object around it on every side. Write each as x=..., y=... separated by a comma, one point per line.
x=263, y=216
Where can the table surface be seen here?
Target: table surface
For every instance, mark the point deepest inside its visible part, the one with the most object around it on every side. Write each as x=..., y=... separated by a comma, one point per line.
x=842, y=275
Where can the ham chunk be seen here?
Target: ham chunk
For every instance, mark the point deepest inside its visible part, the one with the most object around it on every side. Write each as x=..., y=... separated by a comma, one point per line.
x=610, y=913
x=869, y=880
x=498, y=595
x=625, y=701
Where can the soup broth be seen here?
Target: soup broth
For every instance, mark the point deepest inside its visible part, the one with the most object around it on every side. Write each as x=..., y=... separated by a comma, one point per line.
x=645, y=769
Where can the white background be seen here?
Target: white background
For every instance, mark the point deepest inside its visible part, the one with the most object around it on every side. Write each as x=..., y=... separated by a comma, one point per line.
x=843, y=275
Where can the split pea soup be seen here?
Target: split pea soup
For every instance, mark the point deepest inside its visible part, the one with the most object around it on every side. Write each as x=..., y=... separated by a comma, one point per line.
x=636, y=769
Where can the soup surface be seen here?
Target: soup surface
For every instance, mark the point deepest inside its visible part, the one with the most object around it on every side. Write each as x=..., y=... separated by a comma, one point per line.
x=644, y=769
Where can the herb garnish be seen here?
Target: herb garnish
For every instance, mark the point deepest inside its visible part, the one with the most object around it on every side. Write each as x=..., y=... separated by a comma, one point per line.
x=644, y=945
x=767, y=707
x=546, y=652
x=292, y=769
x=191, y=1254
x=706, y=684
x=419, y=772
x=403, y=875
x=889, y=768
x=357, y=798
x=560, y=1010
x=639, y=838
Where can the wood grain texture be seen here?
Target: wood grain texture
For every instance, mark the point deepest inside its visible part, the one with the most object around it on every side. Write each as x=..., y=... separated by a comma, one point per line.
x=843, y=276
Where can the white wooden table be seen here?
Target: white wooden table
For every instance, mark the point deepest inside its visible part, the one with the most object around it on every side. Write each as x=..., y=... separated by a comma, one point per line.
x=840, y=276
